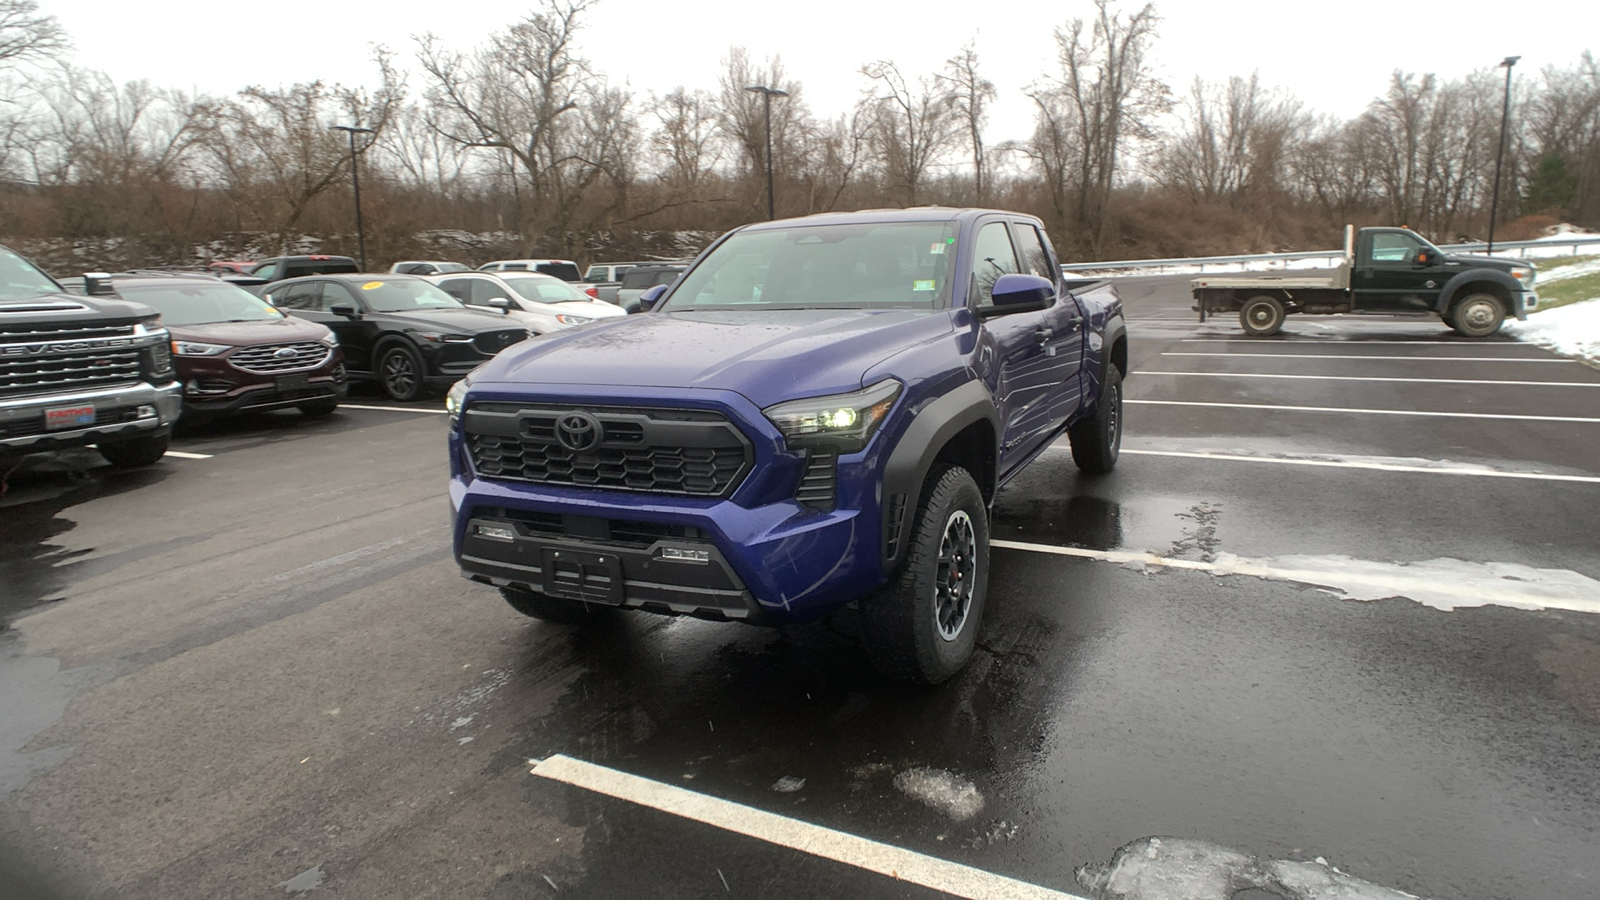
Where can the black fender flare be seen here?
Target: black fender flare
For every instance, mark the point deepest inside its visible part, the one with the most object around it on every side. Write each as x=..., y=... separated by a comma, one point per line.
x=1453, y=287
x=1116, y=330
x=909, y=462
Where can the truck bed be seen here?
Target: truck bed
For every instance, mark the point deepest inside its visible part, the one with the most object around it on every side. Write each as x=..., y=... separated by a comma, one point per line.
x=1336, y=280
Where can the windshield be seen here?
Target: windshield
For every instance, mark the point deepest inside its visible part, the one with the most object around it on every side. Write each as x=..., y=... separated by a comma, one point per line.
x=19, y=278
x=200, y=302
x=546, y=290
x=407, y=295
x=891, y=265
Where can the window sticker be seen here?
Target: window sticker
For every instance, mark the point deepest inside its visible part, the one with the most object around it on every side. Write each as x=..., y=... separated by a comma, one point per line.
x=936, y=249
x=372, y=285
x=922, y=285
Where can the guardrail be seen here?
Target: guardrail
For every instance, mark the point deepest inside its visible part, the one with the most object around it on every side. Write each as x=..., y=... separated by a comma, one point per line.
x=1245, y=258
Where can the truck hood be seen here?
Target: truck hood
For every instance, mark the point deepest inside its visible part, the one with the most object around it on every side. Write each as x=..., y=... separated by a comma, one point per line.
x=1503, y=263
x=70, y=308
x=768, y=356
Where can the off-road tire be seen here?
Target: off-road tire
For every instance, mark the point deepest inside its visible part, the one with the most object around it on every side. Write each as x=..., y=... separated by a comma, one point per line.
x=1478, y=315
x=558, y=610
x=318, y=408
x=901, y=621
x=400, y=372
x=1262, y=316
x=130, y=454
x=1097, y=440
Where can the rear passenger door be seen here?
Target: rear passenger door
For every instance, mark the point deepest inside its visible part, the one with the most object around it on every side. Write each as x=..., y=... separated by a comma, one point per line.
x=357, y=336
x=1066, y=322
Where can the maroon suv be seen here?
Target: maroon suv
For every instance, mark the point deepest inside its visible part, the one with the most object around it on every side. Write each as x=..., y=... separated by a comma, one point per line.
x=235, y=353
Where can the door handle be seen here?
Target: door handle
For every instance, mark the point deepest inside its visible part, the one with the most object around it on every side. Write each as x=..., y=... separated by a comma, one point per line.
x=1074, y=322
x=1043, y=335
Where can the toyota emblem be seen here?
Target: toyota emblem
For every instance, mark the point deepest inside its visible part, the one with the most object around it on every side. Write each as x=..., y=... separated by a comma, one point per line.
x=578, y=431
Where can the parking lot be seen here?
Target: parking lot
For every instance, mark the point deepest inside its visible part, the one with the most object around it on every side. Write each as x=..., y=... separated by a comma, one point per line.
x=1340, y=600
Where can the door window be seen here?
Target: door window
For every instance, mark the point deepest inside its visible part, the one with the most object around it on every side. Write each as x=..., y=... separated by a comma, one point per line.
x=1035, y=256
x=992, y=256
x=266, y=270
x=459, y=288
x=336, y=294
x=306, y=295
x=1394, y=248
x=484, y=290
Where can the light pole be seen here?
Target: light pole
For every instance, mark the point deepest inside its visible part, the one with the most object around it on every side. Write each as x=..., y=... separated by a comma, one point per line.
x=1500, y=152
x=766, y=100
x=355, y=180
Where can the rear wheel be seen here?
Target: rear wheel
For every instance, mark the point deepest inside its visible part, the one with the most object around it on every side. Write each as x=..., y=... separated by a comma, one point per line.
x=144, y=451
x=558, y=610
x=1479, y=315
x=1097, y=440
x=923, y=624
x=1261, y=316
x=400, y=370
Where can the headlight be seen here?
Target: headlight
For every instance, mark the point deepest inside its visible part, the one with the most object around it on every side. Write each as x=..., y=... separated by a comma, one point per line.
x=456, y=398
x=1524, y=275
x=845, y=421
x=195, y=348
x=440, y=338
x=572, y=320
x=331, y=339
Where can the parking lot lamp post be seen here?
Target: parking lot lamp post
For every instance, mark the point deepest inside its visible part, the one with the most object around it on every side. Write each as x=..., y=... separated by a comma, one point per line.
x=355, y=180
x=1505, y=116
x=766, y=101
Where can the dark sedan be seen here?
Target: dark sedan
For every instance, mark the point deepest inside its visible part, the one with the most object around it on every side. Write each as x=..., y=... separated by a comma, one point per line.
x=234, y=353
x=398, y=330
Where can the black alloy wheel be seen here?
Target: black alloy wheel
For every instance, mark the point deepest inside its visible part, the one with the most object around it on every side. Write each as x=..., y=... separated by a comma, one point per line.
x=400, y=370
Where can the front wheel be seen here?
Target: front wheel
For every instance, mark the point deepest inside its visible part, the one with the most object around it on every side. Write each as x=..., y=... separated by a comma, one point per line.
x=1097, y=440
x=1479, y=315
x=923, y=624
x=144, y=451
x=1261, y=316
x=400, y=369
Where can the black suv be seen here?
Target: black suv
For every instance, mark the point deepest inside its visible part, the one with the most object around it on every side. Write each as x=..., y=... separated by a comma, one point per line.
x=280, y=267
x=399, y=330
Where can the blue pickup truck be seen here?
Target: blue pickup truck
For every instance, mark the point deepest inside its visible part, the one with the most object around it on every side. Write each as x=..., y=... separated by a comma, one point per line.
x=818, y=412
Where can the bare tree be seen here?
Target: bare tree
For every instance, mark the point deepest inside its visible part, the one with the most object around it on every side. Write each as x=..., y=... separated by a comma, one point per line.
x=686, y=138
x=1107, y=85
x=970, y=95
x=742, y=119
x=27, y=36
x=910, y=126
x=1233, y=141
x=1562, y=124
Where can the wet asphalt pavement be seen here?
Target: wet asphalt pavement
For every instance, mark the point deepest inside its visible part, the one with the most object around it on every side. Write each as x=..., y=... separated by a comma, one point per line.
x=255, y=672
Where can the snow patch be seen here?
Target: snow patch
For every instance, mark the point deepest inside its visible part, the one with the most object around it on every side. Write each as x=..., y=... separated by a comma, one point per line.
x=1164, y=868
x=1572, y=330
x=942, y=791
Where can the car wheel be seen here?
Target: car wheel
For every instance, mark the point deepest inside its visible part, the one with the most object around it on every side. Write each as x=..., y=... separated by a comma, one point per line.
x=400, y=370
x=144, y=451
x=1261, y=316
x=923, y=624
x=318, y=407
x=1097, y=440
x=1479, y=315
x=557, y=610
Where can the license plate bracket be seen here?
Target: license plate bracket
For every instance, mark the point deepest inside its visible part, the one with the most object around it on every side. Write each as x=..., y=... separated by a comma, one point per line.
x=582, y=575
x=61, y=418
x=292, y=382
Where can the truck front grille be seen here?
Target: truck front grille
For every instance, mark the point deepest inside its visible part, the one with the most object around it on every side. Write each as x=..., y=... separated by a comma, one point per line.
x=70, y=370
x=687, y=452
x=271, y=359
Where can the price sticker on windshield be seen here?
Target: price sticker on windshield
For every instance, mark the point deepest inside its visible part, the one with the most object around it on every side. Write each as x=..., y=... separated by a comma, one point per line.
x=372, y=285
x=922, y=285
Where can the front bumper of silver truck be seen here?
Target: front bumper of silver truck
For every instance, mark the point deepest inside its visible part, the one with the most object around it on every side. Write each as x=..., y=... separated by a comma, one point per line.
x=119, y=413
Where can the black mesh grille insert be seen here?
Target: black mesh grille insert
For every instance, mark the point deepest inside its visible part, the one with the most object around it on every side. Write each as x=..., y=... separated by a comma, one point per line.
x=816, y=490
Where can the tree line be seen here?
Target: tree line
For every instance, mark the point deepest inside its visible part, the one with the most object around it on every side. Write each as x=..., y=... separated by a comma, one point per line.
x=520, y=146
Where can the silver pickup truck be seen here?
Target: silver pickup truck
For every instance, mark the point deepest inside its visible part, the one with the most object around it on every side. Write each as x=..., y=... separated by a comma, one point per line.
x=76, y=371
x=1386, y=272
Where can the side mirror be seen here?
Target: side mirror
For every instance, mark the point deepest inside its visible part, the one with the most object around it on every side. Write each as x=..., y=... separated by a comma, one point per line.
x=502, y=304
x=649, y=299
x=1426, y=257
x=349, y=312
x=1015, y=292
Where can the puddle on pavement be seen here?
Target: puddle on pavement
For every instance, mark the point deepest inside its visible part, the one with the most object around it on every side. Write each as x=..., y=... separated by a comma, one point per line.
x=1167, y=526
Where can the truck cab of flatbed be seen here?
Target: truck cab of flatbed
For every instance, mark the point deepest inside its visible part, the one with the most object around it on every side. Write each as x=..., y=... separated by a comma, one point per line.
x=1384, y=271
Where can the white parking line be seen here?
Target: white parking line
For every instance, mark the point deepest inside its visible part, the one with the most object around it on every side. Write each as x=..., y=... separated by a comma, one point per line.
x=1589, y=384
x=1440, y=469
x=431, y=412
x=1368, y=412
x=1498, y=359
x=180, y=454
x=884, y=859
x=1334, y=342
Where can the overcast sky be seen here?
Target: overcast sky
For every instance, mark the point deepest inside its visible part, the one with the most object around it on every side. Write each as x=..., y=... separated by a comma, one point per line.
x=1333, y=56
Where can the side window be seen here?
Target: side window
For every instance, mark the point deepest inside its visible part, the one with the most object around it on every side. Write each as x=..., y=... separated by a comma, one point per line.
x=336, y=294
x=992, y=257
x=299, y=296
x=459, y=288
x=1391, y=247
x=1035, y=256
x=484, y=290
x=667, y=277
x=266, y=270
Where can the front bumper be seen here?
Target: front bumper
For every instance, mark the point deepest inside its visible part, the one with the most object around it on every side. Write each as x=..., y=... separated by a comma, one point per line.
x=118, y=416
x=1524, y=303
